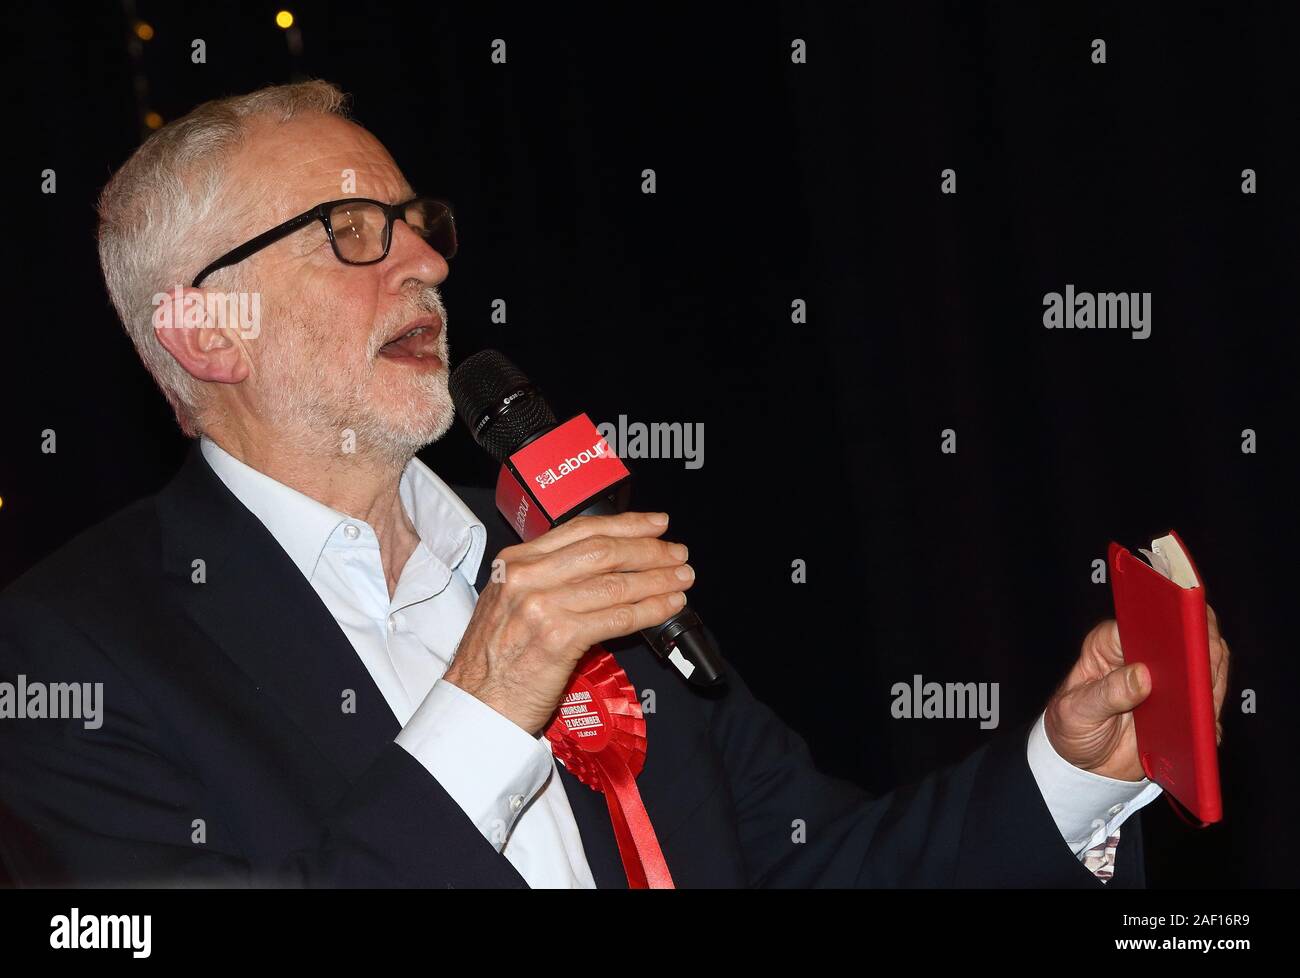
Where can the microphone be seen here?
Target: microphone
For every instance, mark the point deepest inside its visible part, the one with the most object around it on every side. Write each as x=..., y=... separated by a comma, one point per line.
x=552, y=472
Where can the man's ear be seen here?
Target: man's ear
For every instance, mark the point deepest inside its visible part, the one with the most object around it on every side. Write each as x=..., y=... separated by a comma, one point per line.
x=201, y=328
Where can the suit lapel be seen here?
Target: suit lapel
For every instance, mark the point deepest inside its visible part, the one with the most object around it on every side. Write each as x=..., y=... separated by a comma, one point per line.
x=256, y=606
x=591, y=812
x=589, y=808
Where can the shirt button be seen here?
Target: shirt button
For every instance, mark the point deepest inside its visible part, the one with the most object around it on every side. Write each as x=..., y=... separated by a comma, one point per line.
x=392, y=623
x=516, y=802
x=1115, y=810
x=350, y=531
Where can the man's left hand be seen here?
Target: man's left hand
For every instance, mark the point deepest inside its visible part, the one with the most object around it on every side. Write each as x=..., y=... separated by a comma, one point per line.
x=1090, y=717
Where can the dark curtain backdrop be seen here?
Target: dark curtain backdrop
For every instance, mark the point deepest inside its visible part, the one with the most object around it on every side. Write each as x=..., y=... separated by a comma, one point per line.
x=780, y=181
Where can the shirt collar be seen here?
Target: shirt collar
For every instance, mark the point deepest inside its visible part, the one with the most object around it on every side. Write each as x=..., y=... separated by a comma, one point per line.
x=302, y=525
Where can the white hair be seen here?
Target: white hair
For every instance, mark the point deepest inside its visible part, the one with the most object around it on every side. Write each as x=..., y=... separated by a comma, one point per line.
x=168, y=212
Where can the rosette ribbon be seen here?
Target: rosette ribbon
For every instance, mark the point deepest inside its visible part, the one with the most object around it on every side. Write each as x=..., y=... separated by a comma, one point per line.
x=598, y=734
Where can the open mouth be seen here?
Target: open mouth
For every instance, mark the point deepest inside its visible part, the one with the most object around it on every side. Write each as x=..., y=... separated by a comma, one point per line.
x=418, y=342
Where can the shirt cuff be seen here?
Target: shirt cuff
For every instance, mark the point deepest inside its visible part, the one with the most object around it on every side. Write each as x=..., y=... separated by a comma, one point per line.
x=489, y=765
x=1087, y=808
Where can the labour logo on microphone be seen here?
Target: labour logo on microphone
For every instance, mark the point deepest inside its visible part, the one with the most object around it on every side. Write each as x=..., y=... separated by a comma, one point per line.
x=568, y=465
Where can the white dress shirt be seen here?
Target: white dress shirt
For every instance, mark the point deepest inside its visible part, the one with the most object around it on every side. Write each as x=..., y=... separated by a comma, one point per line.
x=503, y=778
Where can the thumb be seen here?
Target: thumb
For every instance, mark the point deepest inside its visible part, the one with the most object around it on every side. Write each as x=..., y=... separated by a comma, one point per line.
x=1119, y=691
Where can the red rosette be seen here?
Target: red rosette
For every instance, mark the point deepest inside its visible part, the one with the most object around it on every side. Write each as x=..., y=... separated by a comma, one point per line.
x=599, y=711
x=598, y=734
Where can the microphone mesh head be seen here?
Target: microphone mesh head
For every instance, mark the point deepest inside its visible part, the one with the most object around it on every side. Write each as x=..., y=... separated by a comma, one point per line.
x=479, y=387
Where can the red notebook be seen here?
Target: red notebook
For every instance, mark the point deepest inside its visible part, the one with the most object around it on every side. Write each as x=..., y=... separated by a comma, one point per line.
x=1160, y=607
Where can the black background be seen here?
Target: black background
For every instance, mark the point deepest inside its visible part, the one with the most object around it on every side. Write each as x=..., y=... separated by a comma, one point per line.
x=779, y=181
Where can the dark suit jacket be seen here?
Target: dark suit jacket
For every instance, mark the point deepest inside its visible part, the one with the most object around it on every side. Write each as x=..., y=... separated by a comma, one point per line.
x=223, y=703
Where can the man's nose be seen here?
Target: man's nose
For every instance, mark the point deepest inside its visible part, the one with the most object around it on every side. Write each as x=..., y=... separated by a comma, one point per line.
x=411, y=257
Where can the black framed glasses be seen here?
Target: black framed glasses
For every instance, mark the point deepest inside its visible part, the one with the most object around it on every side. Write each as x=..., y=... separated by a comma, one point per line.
x=360, y=230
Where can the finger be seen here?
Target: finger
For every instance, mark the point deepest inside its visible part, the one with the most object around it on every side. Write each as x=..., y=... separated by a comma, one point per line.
x=1119, y=691
x=595, y=556
x=624, y=587
x=1219, y=655
x=582, y=527
x=1104, y=641
x=624, y=619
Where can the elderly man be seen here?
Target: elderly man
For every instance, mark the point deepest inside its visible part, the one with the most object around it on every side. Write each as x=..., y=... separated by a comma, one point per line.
x=309, y=676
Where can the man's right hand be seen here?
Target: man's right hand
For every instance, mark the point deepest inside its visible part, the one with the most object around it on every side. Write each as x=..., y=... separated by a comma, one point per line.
x=588, y=580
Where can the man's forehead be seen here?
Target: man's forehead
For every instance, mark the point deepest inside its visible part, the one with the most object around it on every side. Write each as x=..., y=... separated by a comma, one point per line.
x=316, y=158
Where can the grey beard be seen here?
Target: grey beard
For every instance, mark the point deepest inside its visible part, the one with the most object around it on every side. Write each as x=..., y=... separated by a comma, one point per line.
x=384, y=440
x=349, y=425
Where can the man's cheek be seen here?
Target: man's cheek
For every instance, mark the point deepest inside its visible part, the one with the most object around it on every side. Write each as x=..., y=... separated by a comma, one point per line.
x=250, y=316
